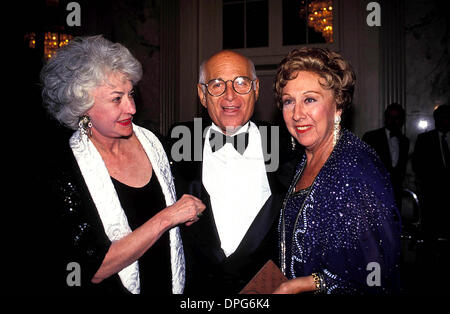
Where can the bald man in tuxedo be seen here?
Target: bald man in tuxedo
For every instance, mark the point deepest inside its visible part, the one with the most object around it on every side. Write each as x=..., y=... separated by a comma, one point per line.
x=229, y=170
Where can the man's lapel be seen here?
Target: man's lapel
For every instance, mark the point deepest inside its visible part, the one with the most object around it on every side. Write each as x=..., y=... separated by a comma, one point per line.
x=268, y=214
x=206, y=235
x=205, y=230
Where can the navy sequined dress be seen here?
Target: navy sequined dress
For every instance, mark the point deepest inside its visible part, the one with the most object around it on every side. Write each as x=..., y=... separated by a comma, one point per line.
x=346, y=225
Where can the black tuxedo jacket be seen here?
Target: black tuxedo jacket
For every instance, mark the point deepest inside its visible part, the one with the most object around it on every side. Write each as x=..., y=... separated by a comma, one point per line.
x=208, y=270
x=434, y=182
x=427, y=157
x=378, y=140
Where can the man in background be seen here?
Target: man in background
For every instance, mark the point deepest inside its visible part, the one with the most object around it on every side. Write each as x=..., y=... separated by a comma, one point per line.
x=392, y=147
x=431, y=163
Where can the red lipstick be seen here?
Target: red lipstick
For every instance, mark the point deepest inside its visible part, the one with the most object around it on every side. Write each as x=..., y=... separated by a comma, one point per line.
x=125, y=122
x=303, y=128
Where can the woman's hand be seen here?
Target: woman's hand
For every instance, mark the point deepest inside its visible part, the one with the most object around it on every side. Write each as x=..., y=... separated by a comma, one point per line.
x=131, y=247
x=297, y=285
x=185, y=210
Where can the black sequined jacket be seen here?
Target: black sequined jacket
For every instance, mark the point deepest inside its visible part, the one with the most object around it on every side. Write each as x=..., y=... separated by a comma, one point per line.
x=73, y=232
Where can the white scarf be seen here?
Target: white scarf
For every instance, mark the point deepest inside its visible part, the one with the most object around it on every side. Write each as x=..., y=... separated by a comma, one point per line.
x=108, y=205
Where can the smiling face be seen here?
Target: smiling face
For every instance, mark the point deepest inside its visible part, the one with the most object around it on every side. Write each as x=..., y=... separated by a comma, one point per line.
x=309, y=111
x=230, y=110
x=113, y=108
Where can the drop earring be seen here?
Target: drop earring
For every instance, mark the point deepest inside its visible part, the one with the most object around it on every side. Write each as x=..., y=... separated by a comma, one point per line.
x=337, y=129
x=293, y=144
x=85, y=125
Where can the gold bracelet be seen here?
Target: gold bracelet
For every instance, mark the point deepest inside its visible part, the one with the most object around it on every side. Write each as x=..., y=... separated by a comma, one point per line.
x=316, y=279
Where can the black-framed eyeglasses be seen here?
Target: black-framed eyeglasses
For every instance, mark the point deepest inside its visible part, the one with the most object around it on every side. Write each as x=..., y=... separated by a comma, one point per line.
x=241, y=85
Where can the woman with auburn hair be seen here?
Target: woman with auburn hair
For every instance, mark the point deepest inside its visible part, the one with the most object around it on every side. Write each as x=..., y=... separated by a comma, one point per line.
x=339, y=221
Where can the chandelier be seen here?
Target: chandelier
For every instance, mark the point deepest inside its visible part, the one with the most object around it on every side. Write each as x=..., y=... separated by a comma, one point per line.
x=319, y=14
x=52, y=41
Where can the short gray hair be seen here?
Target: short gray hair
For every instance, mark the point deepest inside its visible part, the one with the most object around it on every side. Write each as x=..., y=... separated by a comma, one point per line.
x=83, y=64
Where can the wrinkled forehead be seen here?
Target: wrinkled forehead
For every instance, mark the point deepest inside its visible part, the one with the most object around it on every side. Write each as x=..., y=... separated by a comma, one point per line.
x=227, y=67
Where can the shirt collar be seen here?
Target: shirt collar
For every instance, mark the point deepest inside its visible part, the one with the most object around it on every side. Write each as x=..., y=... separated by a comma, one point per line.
x=243, y=129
